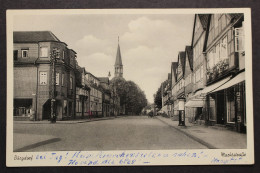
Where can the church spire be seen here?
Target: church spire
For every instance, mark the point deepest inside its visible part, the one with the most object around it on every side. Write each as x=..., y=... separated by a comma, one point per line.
x=118, y=63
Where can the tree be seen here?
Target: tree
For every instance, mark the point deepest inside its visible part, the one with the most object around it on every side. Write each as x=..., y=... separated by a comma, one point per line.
x=158, y=98
x=131, y=96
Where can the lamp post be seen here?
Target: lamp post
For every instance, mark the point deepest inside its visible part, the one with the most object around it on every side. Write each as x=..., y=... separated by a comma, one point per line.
x=54, y=54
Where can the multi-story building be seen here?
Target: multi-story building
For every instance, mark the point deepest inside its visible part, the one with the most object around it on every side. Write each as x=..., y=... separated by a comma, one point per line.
x=106, y=96
x=165, y=96
x=225, y=57
x=191, y=105
x=174, y=66
x=33, y=82
x=180, y=82
x=82, y=93
x=95, y=95
x=195, y=106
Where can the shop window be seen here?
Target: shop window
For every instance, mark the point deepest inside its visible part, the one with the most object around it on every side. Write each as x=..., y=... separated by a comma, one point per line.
x=230, y=103
x=212, y=108
x=65, y=107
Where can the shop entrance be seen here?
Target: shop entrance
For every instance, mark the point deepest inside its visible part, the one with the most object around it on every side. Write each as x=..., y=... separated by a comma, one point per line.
x=22, y=107
x=46, y=110
x=220, y=102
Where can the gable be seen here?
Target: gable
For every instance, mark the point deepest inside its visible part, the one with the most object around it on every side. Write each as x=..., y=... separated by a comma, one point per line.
x=218, y=23
x=200, y=25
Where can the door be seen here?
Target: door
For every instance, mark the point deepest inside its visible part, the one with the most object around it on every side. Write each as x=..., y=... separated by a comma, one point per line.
x=220, y=107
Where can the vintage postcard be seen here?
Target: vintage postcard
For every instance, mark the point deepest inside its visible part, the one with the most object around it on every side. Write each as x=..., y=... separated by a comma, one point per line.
x=117, y=87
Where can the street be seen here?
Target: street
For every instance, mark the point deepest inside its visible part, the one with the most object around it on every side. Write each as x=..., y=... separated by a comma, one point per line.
x=124, y=133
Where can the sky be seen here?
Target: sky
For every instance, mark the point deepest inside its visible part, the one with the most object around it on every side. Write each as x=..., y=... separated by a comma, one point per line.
x=148, y=42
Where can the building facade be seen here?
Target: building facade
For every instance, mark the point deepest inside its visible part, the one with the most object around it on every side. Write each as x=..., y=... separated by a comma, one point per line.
x=95, y=95
x=33, y=81
x=106, y=96
x=225, y=57
x=82, y=93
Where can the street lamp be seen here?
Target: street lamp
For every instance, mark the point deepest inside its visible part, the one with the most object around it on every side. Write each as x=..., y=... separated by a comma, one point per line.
x=54, y=54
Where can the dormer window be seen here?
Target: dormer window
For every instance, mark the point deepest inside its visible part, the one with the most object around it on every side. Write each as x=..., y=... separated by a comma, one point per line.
x=25, y=53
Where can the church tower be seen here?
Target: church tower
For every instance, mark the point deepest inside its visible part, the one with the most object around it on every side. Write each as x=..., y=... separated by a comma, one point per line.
x=118, y=63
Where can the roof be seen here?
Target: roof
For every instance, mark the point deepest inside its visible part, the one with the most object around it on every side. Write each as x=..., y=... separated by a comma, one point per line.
x=104, y=79
x=204, y=20
x=169, y=76
x=118, y=57
x=182, y=59
x=189, y=52
x=33, y=36
x=174, y=67
x=235, y=15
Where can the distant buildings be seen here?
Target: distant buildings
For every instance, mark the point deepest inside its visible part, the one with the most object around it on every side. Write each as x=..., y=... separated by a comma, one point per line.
x=77, y=93
x=210, y=74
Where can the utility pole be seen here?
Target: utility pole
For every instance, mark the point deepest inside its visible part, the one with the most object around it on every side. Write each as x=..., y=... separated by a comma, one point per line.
x=53, y=55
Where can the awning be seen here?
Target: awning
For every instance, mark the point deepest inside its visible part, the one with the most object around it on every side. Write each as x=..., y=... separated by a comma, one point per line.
x=195, y=103
x=235, y=80
x=212, y=87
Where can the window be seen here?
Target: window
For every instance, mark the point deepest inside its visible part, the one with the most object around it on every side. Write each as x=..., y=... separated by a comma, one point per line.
x=223, y=49
x=62, y=79
x=15, y=55
x=197, y=75
x=43, y=78
x=25, y=53
x=230, y=105
x=57, y=78
x=201, y=72
x=65, y=107
x=216, y=16
x=77, y=106
x=63, y=54
x=71, y=83
x=43, y=52
x=217, y=55
x=239, y=39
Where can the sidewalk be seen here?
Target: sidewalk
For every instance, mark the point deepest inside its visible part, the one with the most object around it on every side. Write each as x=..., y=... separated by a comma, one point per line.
x=66, y=121
x=210, y=137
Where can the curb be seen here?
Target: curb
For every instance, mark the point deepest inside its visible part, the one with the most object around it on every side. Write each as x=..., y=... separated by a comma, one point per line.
x=63, y=122
x=191, y=136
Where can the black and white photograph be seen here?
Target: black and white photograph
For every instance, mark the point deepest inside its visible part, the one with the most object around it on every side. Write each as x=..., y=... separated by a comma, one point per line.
x=129, y=87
